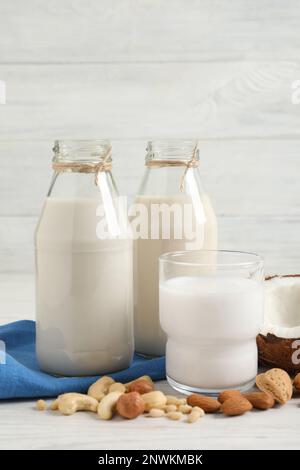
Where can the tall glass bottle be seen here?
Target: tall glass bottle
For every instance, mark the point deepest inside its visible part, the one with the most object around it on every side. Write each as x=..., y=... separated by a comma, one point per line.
x=84, y=307
x=177, y=215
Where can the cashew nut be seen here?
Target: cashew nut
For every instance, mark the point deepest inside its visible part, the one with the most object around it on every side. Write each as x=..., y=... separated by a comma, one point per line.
x=117, y=387
x=154, y=399
x=69, y=403
x=100, y=388
x=107, y=405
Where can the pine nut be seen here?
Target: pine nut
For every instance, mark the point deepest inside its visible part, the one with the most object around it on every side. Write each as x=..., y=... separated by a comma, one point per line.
x=41, y=405
x=185, y=409
x=155, y=413
x=175, y=415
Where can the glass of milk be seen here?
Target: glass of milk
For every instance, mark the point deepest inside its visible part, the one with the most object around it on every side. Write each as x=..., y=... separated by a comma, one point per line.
x=211, y=309
x=84, y=304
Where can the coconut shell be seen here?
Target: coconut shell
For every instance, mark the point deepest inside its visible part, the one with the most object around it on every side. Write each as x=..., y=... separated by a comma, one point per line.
x=274, y=351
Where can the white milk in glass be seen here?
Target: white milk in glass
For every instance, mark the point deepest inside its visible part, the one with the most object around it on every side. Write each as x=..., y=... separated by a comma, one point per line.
x=211, y=324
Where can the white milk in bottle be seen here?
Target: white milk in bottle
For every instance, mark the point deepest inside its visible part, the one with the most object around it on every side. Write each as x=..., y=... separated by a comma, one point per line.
x=172, y=212
x=84, y=305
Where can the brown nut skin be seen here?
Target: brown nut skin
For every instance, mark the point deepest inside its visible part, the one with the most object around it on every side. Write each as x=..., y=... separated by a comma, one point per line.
x=236, y=406
x=208, y=404
x=297, y=382
x=141, y=386
x=260, y=400
x=226, y=394
x=130, y=405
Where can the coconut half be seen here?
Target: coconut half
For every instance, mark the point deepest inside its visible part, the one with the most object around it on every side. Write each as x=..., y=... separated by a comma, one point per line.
x=279, y=340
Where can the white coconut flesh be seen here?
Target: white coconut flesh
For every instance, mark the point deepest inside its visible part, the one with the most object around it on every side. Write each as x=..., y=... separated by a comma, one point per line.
x=282, y=307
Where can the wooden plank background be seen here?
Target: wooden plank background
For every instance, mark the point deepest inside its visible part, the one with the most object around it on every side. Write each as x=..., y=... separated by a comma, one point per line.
x=132, y=70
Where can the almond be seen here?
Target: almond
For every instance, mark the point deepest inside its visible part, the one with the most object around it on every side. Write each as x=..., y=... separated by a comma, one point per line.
x=228, y=394
x=236, y=406
x=297, y=382
x=278, y=383
x=260, y=400
x=208, y=404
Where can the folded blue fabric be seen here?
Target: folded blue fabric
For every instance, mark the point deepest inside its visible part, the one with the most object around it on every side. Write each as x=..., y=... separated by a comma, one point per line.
x=20, y=376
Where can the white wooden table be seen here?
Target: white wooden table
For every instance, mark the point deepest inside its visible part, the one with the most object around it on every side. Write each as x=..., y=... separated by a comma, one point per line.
x=23, y=427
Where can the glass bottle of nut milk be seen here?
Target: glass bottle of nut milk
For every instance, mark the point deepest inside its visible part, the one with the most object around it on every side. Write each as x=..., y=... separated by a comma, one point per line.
x=172, y=212
x=84, y=305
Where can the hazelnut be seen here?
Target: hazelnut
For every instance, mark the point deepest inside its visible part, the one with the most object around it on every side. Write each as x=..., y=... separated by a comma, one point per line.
x=130, y=405
x=141, y=386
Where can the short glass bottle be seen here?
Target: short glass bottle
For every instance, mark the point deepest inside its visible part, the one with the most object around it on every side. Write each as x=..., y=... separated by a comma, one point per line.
x=84, y=305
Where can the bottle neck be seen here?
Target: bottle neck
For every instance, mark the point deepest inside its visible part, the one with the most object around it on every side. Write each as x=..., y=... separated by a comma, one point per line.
x=82, y=157
x=82, y=151
x=172, y=153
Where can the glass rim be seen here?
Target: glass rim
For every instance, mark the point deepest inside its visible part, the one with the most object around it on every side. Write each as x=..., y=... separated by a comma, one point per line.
x=81, y=150
x=170, y=257
x=173, y=148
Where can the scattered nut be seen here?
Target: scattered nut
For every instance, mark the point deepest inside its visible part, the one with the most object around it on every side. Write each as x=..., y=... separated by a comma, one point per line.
x=130, y=405
x=171, y=400
x=143, y=377
x=297, y=382
x=69, y=403
x=100, y=388
x=41, y=405
x=174, y=415
x=168, y=408
x=195, y=414
x=185, y=409
x=155, y=399
x=141, y=386
x=155, y=413
x=181, y=401
x=117, y=387
x=54, y=405
x=236, y=406
x=228, y=394
x=278, y=383
x=107, y=405
x=208, y=404
x=260, y=400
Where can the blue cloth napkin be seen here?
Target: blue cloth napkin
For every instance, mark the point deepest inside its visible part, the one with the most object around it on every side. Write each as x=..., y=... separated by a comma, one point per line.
x=20, y=376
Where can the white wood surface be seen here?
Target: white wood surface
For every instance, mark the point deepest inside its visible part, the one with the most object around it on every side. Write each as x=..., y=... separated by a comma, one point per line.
x=23, y=427
x=198, y=99
x=148, y=30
